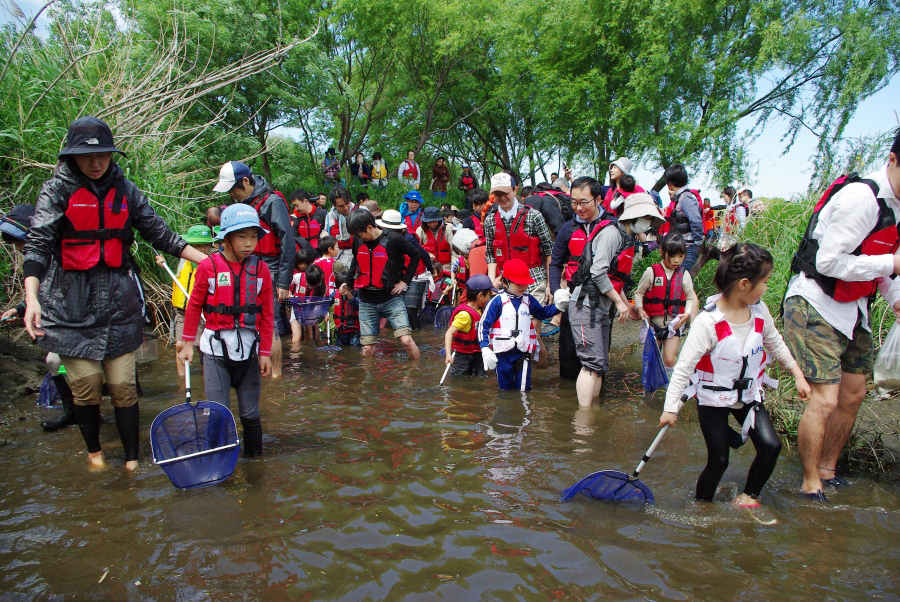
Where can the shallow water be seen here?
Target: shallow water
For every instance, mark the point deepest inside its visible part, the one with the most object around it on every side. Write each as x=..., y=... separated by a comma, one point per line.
x=378, y=484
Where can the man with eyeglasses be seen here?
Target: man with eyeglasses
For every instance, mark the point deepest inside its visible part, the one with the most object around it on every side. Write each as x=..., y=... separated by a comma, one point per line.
x=513, y=230
x=277, y=247
x=588, y=213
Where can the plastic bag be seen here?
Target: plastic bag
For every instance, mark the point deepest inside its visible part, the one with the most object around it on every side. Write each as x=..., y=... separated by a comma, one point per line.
x=887, y=366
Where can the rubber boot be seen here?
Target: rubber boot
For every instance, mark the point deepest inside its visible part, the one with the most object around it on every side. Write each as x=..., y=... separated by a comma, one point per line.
x=67, y=417
x=128, y=423
x=89, y=424
x=252, y=437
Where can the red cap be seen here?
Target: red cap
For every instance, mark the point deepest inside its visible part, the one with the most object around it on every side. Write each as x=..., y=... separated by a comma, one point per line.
x=516, y=271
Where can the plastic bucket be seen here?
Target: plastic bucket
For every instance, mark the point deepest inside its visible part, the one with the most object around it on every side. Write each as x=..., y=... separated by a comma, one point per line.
x=148, y=351
x=414, y=297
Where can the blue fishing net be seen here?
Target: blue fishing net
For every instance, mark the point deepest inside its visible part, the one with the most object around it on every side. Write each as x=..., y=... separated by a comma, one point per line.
x=48, y=395
x=611, y=486
x=653, y=374
x=195, y=444
x=426, y=316
x=309, y=311
x=442, y=317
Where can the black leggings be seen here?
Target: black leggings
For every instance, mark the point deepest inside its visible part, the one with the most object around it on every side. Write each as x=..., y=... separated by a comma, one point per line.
x=717, y=433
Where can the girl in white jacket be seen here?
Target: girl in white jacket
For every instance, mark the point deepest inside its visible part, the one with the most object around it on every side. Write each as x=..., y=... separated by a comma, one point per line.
x=723, y=364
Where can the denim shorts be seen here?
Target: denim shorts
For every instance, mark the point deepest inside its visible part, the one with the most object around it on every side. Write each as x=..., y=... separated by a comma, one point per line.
x=370, y=315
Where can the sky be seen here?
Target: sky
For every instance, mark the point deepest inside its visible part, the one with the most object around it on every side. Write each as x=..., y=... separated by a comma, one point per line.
x=773, y=174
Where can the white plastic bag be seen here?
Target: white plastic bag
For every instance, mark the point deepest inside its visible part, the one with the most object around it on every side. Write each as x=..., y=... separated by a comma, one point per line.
x=887, y=366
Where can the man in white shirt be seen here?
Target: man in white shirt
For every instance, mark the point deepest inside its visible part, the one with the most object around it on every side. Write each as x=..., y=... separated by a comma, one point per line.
x=826, y=312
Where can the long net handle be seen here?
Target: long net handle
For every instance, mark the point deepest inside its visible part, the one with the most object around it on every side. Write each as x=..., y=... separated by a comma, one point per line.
x=650, y=451
x=175, y=280
x=447, y=369
x=187, y=381
x=525, y=371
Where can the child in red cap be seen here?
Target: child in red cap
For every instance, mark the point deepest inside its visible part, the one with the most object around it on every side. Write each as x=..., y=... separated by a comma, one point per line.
x=507, y=335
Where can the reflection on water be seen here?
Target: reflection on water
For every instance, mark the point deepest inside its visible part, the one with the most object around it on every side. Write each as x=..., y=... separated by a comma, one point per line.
x=379, y=484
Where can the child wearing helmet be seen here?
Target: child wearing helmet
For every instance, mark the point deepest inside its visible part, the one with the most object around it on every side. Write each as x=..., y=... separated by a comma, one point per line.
x=506, y=334
x=233, y=288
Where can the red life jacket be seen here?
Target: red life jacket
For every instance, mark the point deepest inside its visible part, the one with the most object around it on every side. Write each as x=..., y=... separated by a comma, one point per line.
x=517, y=244
x=882, y=240
x=327, y=265
x=346, y=317
x=269, y=245
x=665, y=296
x=95, y=231
x=412, y=170
x=372, y=265
x=413, y=224
x=466, y=342
x=437, y=245
x=468, y=182
x=307, y=227
x=678, y=219
x=462, y=273
x=732, y=213
x=478, y=227
x=232, y=299
x=437, y=295
x=335, y=232
x=301, y=289
x=619, y=271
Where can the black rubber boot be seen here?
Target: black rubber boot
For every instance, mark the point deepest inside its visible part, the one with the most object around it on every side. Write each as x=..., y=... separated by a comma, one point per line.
x=252, y=437
x=67, y=417
x=128, y=423
x=89, y=424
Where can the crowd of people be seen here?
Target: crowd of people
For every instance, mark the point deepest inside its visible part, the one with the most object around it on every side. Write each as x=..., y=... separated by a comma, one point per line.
x=508, y=264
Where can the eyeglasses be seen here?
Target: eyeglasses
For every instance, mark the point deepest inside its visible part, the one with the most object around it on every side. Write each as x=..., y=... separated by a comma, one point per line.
x=577, y=204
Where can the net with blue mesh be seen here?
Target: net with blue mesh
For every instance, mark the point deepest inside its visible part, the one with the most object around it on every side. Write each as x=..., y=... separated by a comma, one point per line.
x=310, y=311
x=611, y=486
x=442, y=317
x=195, y=444
x=48, y=395
x=653, y=374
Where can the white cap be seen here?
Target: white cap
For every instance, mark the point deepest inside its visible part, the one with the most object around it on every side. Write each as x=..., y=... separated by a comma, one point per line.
x=502, y=181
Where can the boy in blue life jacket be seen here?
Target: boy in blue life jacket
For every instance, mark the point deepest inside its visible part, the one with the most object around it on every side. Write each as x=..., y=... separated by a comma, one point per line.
x=507, y=334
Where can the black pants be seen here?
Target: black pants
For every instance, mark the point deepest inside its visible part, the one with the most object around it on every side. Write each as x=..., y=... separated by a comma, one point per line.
x=569, y=364
x=717, y=433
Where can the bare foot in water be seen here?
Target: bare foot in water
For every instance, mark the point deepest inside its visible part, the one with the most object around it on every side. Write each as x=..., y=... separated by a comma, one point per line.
x=131, y=465
x=96, y=460
x=745, y=501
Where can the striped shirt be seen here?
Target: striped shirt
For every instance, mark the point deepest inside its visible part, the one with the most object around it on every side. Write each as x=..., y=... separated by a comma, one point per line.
x=534, y=226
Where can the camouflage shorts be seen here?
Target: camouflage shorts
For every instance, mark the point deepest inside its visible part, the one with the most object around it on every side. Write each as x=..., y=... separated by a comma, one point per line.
x=820, y=349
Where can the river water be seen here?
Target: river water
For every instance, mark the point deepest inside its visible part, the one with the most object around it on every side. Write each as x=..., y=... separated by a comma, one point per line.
x=378, y=484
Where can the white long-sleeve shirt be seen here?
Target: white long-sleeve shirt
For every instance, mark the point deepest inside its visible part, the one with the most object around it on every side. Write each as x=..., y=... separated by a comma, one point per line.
x=405, y=165
x=702, y=339
x=843, y=224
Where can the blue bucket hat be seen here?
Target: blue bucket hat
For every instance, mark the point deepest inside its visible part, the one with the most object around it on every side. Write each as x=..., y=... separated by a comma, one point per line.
x=237, y=217
x=413, y=195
